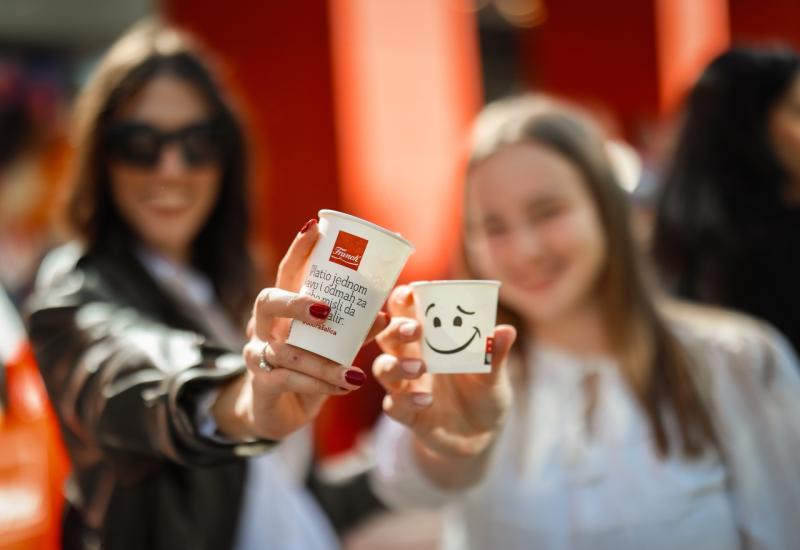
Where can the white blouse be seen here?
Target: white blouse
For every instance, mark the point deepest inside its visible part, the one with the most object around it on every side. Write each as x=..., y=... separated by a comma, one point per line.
x=557, y=484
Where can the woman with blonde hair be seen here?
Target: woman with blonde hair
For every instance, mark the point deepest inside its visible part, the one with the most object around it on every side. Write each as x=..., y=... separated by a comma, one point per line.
x=616, y=420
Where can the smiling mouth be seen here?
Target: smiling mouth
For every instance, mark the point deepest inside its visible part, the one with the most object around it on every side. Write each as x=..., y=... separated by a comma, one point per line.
x=167, y=201
x=460, y=348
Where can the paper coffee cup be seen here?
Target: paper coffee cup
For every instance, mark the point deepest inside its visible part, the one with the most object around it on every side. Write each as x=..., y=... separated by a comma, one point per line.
x=457, y=320
x=353, y=267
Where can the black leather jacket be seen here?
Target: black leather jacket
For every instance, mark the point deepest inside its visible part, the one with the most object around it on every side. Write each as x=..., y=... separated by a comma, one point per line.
x=124, y=367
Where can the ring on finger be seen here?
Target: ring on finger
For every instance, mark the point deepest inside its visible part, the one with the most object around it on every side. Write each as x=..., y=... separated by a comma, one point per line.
x=262, y=360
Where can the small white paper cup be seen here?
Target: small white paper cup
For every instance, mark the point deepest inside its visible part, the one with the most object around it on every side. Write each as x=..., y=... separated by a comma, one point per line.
x=353, y=267
x=457, y=320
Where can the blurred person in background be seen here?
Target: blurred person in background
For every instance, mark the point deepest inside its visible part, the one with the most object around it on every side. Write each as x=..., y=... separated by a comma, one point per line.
x=33, y=91
x=139, y=325
x=727, y=230
x=618, y=421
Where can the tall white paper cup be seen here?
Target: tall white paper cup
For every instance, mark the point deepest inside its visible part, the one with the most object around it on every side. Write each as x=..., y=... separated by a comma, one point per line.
x=457, y=320
x=353, y=267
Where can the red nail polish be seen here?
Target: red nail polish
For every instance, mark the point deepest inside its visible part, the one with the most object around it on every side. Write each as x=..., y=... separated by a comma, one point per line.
x=355, y=377
x=320, y=311
x=308, y=224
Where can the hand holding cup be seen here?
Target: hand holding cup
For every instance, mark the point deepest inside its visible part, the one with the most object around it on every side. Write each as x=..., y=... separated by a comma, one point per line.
x=285, y=386
x=451, y=415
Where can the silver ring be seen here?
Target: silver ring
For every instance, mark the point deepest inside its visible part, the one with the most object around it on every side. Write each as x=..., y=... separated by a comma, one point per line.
x=262, y=360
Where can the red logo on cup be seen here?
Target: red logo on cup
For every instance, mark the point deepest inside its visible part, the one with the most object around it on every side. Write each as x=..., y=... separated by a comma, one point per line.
x=348, y=250
x=487, y=356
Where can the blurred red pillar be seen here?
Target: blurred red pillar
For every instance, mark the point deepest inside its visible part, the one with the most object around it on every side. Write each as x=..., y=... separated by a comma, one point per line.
x=276, y=55
x=360, y=105
x=766, y=21
x=635, y=57
x=407, y=87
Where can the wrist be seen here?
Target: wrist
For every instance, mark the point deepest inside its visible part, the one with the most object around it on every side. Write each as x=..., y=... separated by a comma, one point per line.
x=454, y=468
x=458, y=448
x=233, y=409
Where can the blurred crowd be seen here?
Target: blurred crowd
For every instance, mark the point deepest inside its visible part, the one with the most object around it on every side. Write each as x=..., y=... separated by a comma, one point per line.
x=645, y=385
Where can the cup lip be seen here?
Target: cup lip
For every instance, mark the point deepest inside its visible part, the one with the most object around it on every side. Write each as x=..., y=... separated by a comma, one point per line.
x=445, y=282
x=350, y=217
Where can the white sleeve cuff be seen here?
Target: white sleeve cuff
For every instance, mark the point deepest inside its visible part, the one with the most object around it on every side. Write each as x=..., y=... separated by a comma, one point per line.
x=207, y=426
x=204, y=418
x=397, y=478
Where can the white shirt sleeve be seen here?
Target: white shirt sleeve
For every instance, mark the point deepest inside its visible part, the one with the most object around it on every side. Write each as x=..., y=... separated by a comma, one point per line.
x=204, y=418
x=397, y=478
x=757, y=401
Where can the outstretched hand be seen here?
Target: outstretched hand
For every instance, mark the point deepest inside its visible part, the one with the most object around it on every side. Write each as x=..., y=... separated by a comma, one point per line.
x=272, y=402
x=452, y=415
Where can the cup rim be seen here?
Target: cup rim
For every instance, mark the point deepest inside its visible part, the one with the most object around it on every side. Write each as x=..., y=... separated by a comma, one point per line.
x=445, y=282
x=350, y=217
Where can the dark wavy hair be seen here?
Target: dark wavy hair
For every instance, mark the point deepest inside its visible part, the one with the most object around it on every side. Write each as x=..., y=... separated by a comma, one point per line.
x=725, y=178
x=219, y=250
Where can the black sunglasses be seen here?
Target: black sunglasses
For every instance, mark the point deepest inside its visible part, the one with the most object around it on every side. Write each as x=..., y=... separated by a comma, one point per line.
x=140, y=144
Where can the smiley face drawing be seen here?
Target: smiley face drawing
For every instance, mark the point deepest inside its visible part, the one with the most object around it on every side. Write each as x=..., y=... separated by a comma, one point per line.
x=455, y=336
x=457, y=318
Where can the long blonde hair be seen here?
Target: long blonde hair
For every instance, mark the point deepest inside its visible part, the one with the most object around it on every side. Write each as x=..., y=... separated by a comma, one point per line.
x=652, y=361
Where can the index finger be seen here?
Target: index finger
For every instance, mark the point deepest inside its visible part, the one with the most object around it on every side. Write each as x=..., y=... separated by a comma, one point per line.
x=401, y=302
x=401, y=337
x=292, y=267
x=276, y=303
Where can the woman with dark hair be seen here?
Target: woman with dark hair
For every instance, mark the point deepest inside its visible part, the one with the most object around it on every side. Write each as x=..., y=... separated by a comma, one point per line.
x=622, y=422
x=138, y=328
x=727, y=230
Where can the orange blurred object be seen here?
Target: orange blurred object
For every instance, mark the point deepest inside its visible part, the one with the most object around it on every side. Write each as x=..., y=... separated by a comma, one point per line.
x=33, y=461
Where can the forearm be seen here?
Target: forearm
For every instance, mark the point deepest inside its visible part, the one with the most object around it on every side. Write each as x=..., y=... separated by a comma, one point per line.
x=453, y=472
x=403, y=480
x=133, y=387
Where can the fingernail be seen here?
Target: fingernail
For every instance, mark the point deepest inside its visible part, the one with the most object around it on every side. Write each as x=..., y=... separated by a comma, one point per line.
x=388, y=317
x=422, y=399
x=320, y=311
x=407, y=329
x=411, y=366
x=308, y=224
x=402, y=295
x=355, y=377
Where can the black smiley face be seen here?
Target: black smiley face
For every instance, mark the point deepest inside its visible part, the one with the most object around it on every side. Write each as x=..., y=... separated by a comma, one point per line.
x=457, y=321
